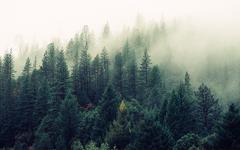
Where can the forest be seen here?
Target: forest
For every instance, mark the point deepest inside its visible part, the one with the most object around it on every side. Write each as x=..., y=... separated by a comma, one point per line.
x=123, y=96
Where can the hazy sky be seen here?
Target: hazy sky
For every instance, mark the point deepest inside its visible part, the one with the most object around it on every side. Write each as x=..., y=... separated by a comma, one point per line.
x=43, y=20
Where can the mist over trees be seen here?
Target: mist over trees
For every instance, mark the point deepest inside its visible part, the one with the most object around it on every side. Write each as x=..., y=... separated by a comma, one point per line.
x=117, y=93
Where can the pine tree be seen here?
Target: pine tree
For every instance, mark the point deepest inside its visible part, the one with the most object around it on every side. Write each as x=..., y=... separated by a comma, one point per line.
x=61, y=77
x=180, y=113
x=68, y=120
x=48, y=67
x=26, y=101
x=75, y=81
x=73, y=49
x=152, y=135
x=144, y=71
x=106, y=31
x=154, y=93
x=187, y=141
x=118, y=73
x=129, y=70
x=228, y=133
x=105, y=62
x=132, y=75
x=108, y=105
x=208, y=109
x=42, y=102
x=187, y=82
x=84, y=75
x=119, y=134
x=126, y=52
x=35, y=83
x=163, y=111
x=96, y=76
x=7, y=125
x=1, y=90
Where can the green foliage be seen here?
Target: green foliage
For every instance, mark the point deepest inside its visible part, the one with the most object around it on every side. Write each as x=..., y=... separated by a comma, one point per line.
x=77, y=145
x=180, y=115
x=188, y=141
x=8, y=100
x=208, y=109
x=227, y=135
x=61, y=80
x=118, y=73
x=68, y=120
x=26, y=100
x=43, y=142
x=119, y=134
x=120, y=104
x=143, y=79
x=208, y=142
x=151, y=134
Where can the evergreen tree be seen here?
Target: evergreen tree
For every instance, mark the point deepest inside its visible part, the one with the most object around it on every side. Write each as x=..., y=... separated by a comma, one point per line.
x=129, y=70
x=68, y=121
x=126, y=52
x=35, y=84
x=180, y=117
x=7, y=124
x=152, y=135
x=108, y=105
x=105, y=62
x=187, y=82
x=144, y=71
x=208, y=109
x=119, y=135
x=96, y=76
x=163, y=111
x=48, y=128
x=42, y=102
x=75, y=81
x=187, y=141
x=73, y=49
x=84, y=75
x=228, y=133
x=1, y=90
x=106, y=31
x=154, y=77
x=43, y=142
x=26, y=101
x=154, y=94
x=118, y=73
x=132, y=75
x=61, y=78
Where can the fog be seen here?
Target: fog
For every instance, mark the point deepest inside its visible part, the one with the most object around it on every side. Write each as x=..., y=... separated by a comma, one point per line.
x=34, y=21
x=203, y=37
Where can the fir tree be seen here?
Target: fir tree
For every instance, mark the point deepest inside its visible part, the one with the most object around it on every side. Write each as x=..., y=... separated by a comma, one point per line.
x=26, y=101
x=105, y=62
x=68, y=121
x=208, y=109
x=84, y=75
x=152, y=135
x=180, y=114
x=42, y=102
x=143, y=81
x=119, y=135
x=61, y=78
x=118, y=73
x=228, y=133
x=8, y=103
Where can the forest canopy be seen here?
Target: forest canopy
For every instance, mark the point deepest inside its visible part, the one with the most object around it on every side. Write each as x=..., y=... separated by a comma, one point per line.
x=118, y=92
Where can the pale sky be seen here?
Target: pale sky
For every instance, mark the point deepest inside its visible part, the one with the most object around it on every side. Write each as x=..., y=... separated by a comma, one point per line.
x=42, y=20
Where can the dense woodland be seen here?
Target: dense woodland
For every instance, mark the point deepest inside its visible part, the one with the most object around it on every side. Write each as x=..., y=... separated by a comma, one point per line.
x=120, y=100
